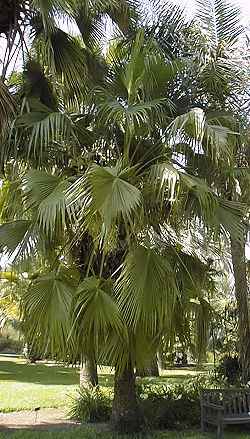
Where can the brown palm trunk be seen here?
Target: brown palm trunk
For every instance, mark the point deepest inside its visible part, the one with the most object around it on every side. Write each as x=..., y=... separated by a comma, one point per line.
x=88, y=372
x=241, y=292
x=126, y=413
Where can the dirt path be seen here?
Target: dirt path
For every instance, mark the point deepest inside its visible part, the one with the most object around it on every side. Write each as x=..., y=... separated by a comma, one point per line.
x=44, y=419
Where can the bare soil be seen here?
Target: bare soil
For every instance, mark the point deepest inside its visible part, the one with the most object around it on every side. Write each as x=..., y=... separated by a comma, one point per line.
x=44, y=419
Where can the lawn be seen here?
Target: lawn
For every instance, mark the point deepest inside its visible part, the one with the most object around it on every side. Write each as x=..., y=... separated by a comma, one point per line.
x=80, y=433
x=26, y=386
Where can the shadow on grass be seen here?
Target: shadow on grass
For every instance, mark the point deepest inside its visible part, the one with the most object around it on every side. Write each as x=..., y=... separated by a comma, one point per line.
x=38, y=373
x=46, y=374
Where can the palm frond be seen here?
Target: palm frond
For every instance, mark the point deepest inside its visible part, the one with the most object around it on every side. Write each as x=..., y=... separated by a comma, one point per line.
x=231, y=217
x=63, y=54
x=220, y=20
x=164, y=177
x=47, y=9
x=132, y=116
x=195, y=199
x=43, y=128
x=201, y=134
x=96, y=317
x=46, y=307
x=45, y=193
x=113, y=195
x=37, y=88
x=11, y=202
x=18, y=239
x=146, y=290
x=218, y=214
x=167, y=23
x=7, y=107
x=105, y=190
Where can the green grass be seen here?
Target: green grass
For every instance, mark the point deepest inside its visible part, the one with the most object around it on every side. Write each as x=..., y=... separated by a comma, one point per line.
x=80, y=433
x=25, y=386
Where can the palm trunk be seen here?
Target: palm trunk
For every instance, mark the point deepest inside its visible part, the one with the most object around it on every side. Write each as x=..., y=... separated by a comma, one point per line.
x=160, y=361
x=88, y=372
x=126, y=413
x=241, y=292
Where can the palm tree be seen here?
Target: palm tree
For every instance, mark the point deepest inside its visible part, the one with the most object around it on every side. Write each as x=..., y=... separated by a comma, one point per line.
x=68, y=60
x=131, y=196
x=221, y=81
x=216, y=79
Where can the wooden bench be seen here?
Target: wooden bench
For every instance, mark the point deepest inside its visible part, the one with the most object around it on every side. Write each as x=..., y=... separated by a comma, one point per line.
x=224, y=406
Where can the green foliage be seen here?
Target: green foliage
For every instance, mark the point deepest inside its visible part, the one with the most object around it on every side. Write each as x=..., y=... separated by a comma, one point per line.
x=164, y=406
x=90, y=433
x=95, y=317
x=7, y=108
x=136, y=188
x=174, y=405
x=91, y=404
x=146, y=283
x=229, y=369
x=8, y=345
x=220, y=20
x=46, y=306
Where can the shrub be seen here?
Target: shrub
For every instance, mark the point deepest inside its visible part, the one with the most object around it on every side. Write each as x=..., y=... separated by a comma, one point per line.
x=174, y=405
x=8, y=345
x=163, y=406
x=91, y=405
x=229, y=369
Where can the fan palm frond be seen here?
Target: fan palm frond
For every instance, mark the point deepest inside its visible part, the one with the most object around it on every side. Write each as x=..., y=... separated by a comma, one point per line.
x=45, y=193
x=132, y=116
x=107, y=191
x=46, y=307
x=43, y=128
x=96, y=320
x=146, y=290
x=18, y=239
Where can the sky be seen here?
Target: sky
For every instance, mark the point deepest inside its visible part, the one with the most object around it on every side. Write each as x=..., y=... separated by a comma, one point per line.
x=243, y=4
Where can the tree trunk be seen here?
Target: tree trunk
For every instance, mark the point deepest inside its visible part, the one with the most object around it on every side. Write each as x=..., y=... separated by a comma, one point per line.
x=160, y=361
x=241, y=292
x=126, y=413
x=150, y=370
x=88, y=372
